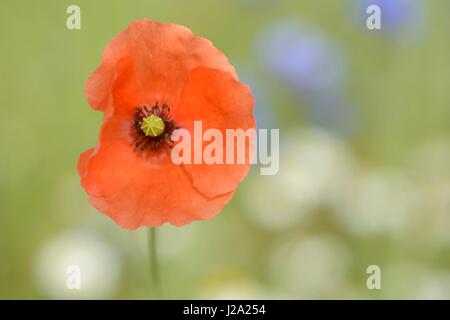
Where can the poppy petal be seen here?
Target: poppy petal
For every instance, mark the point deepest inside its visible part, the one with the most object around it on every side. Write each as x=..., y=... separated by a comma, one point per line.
x=161, y=56
x=220, y=102
x=137, y=191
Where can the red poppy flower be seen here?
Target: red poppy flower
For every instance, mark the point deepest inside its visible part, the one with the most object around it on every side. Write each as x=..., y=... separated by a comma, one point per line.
x=153, y=79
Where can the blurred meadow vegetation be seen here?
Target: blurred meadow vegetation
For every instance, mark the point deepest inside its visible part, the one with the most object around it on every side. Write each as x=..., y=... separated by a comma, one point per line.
x=364, y=161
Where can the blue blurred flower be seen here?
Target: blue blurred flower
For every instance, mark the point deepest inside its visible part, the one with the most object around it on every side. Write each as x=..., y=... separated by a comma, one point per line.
x=398, y=17
x=301, y=57
x=313, y=67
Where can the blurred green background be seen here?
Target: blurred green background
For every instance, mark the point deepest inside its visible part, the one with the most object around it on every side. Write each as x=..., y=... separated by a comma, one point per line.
x=364, y=173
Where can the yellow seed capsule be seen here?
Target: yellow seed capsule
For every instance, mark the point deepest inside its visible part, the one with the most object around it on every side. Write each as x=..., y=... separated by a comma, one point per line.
x=152, y=126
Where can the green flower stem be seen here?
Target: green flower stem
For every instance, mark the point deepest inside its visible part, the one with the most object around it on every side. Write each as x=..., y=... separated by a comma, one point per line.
x=154, y=274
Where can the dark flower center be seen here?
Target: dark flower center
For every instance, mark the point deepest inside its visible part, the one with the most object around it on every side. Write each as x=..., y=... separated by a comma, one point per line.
x=153, y=127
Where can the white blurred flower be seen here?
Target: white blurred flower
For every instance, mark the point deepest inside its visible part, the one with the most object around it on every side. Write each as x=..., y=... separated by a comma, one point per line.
x=409, y=280
x=430, y=164
x=435, y=216
x=314, y=170
x=314, y=267
x=268, y=205
x=401, y=279
x=232, y=290
x=435, y=286
x=380, y=202
x=97, y=262
x=231, y=284
x=314, y=167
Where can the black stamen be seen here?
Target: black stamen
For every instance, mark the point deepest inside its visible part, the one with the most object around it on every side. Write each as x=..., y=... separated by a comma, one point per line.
x=142, y=142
